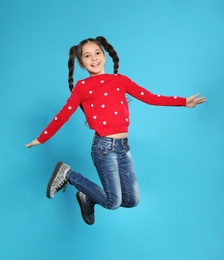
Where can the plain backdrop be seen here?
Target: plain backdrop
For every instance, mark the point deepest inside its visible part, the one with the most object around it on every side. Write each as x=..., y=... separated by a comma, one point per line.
x=170, y=47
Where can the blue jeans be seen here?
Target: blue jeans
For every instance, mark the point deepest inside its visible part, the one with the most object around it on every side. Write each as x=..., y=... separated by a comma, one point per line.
x=114, y=165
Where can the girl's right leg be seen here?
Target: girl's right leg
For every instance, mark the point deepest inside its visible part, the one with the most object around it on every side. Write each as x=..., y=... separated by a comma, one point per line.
x=89, y=193
x=105, y=160
x=59, y=180
x=110, y=196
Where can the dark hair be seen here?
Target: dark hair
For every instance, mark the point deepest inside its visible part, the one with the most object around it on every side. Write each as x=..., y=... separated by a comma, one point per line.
x=76, y=52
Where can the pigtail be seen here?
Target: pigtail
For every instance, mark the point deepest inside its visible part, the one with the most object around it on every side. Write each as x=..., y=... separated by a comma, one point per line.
x=71, y=66
x=109, y=48
x=76, y=52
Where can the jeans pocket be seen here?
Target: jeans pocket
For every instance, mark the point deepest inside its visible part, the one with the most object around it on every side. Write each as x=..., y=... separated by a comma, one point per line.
x=126, y=146
x=105, y=148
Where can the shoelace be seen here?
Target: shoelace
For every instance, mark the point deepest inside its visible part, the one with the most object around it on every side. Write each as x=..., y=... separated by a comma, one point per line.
x=61, y=185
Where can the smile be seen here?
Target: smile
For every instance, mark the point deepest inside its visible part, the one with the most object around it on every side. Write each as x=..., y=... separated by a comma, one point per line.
x=95, y=64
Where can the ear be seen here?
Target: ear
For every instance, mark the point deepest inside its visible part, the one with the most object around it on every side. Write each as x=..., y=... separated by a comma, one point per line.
x=81, y=65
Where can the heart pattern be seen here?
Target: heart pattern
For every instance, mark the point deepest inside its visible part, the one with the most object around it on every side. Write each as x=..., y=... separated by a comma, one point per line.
x=108, y=113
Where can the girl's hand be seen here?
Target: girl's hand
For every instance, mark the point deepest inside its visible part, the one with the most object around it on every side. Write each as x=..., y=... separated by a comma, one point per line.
x=34, y=142
x=194, y=100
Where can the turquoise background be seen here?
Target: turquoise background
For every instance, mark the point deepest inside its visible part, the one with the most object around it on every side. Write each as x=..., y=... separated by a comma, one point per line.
x=170, y=47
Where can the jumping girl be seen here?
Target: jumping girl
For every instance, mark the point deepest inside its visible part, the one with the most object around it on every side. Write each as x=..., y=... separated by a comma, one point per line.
x=102, y=98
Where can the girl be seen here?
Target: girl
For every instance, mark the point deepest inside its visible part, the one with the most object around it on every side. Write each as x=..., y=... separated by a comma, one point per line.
x=102, y=98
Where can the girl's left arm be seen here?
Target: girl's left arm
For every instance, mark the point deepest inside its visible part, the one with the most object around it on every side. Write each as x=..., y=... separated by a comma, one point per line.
x=154, y=99
x=193, y=101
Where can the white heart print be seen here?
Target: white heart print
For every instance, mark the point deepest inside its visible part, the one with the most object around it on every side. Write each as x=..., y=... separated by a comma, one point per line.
x=105, y=94
x=90, y=92
x=45, y=132
x=103, y=106
x=69, y=107
x=102, y=81
x=115, y=112
x=142, y=93
x=104, y=122
x=94, y=117
x=83, y=82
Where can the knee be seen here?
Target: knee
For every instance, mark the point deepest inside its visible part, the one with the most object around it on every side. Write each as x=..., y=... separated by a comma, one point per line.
x=113, y=203
x=132, y=202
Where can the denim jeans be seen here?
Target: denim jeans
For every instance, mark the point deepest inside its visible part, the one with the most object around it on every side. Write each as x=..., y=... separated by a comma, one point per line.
x=114, y=165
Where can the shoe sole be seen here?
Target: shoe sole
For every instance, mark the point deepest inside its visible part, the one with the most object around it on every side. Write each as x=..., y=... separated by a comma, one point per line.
x=56, y=169
x=80, y=204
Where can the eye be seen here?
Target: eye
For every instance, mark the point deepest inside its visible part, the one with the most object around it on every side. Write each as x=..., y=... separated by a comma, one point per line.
x=86, y=56
x=98, y=52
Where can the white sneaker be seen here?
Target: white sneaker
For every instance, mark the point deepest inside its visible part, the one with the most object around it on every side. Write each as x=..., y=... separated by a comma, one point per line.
x=58, y=179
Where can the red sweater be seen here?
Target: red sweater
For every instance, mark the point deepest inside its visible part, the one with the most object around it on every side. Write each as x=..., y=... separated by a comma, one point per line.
x=105, y=105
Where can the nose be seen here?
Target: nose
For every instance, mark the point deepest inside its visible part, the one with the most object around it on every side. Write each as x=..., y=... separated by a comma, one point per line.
x=94, y=57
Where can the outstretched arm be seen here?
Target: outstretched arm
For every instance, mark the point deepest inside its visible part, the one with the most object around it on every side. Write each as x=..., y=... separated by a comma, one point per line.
x=194, y=101
x=34, y=142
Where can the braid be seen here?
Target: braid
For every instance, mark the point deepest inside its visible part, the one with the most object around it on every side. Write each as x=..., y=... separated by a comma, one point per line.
x=76, y=52
x=109, y=48
x=71, y=66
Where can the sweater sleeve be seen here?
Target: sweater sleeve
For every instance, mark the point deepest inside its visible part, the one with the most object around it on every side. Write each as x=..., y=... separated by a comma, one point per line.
x=146, y=96
x=62, y=117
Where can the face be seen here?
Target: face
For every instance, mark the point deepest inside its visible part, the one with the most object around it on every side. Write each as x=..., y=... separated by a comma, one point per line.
x=93, y=59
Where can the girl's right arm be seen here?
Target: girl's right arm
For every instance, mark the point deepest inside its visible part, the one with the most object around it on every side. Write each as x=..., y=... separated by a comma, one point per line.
x=58, y=121
x=34, y=142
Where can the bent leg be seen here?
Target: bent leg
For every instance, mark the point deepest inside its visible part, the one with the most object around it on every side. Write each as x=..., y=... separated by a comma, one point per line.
x=95, y=194
x=105, y=157
x=129, y=184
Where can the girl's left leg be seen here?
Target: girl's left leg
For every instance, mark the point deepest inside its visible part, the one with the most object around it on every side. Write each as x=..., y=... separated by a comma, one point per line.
x=129, y=184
